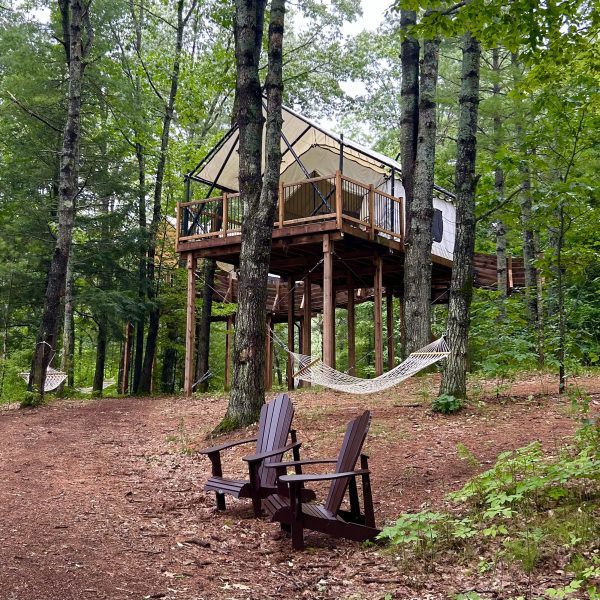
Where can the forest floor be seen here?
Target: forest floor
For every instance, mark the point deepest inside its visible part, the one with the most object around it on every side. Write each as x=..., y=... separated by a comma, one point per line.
x=102, y=499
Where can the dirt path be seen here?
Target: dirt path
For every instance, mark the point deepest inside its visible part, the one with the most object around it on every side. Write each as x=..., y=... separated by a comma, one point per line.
x=103, y=499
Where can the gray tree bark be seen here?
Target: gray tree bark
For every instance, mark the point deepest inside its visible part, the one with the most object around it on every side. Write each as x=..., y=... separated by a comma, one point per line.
x=417, y=260
x=409, y=104
x=454, y=379
x=79, y=44
x=68, y=343
x=260, y=201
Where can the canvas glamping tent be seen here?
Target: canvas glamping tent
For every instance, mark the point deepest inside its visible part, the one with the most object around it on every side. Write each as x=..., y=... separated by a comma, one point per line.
x=310, y=150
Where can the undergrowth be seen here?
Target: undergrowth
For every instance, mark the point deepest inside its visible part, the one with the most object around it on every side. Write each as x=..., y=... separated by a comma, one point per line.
x=529, y=511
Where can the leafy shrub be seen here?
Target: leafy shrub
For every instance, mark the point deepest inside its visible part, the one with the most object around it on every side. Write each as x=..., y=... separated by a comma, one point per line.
x=447, y=404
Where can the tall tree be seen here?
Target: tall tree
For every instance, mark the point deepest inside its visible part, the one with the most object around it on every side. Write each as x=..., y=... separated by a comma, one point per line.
x=145, y=384
x=454, y=380
x=417, y=261
x=259, y=199
x=409, y=102
x=78, y=37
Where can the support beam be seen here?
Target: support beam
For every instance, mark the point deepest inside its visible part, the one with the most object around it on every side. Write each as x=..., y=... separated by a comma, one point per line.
x=351, y=329
x=328, y=313
x=390, y=328
x=190, y=329
x=378, y=293
x=307, y=321
x=228, y=336
x=290, y=322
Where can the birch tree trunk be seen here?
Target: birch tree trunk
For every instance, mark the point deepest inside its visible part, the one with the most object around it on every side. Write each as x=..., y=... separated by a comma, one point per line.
x=417, y=260
x=454, y=379
x=79, y=45
x=259, y=199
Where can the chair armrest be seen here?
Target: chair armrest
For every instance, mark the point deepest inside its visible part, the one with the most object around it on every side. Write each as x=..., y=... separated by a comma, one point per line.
x=226, y=445
x=258, y=457
x=324, y=477
x=293, y=463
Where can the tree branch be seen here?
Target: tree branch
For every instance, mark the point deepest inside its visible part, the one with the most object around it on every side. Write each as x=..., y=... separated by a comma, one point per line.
x=504, y=202
x=32, y=113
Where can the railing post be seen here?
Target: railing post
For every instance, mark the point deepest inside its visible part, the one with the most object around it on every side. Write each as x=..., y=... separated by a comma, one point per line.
x=371, y=212
x=402, y=220
x=281, y=204
x=338, y=199
x=225, y=213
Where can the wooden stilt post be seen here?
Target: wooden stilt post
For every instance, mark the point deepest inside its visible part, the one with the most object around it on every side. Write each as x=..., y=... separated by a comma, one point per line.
x=190, y=330
x=378, y=293
x=390, y=328
x=290, y=320
x=269, y=356
x=307, y=321
x=351, y=329
x=227, y=377
x=328, y=304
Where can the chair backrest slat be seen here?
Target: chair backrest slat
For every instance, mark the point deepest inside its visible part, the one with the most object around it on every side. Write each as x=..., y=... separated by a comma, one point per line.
x=356, y=432
x=274, y=427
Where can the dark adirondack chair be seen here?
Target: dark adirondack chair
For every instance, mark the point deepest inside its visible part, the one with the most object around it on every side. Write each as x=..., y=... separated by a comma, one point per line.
x=273, y=430
x=289, y=509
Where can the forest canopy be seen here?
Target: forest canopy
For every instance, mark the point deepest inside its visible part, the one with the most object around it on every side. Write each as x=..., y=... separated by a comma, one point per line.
x=158, y=92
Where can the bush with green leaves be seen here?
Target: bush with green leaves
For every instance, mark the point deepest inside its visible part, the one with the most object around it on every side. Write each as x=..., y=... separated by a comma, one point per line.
x=447, y=404
x=526, y=506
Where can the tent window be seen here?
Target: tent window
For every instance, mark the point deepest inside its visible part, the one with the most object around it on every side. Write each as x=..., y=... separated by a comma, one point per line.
x=438, y=225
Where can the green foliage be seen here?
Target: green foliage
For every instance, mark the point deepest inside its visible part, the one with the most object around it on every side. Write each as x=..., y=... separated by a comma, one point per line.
x=447, y=404
x=525, y=507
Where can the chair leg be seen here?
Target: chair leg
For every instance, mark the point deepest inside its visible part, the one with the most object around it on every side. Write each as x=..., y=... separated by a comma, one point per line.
x=297, y=525
x=297, y=535
x=220, y=501
x=256, y=505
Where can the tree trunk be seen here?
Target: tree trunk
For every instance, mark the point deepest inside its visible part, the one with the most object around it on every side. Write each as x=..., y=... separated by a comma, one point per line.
x=67, y=195
x=417, y=262
x=454, y=380
x=501, y=267
x=169, y=362
x=102, y=342
x=145, y=383
x=203, y=345
x=529, y=251
x=138, y=19
x=259, y=201
x=500, y=228
x=68, y=343
x=409, y=105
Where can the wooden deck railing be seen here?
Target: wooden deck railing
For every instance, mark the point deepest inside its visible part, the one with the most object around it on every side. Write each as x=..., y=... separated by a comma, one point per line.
x=332, y=198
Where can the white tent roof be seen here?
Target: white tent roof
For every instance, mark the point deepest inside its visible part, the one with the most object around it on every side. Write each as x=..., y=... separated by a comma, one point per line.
x=317, y=148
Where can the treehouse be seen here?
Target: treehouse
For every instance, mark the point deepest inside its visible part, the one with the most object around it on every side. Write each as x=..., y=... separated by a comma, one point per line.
x=338, y=236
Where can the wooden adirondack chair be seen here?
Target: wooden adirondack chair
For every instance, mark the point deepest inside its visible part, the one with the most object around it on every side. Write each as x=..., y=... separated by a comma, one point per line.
x=288, y=508
x=273, y=429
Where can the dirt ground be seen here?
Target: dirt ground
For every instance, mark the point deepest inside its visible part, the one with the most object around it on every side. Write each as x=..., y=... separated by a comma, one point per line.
x=103, y=499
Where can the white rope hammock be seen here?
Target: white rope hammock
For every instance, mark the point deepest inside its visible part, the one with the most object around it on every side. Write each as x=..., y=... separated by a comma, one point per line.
x=53, y=379
x=314, y=371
